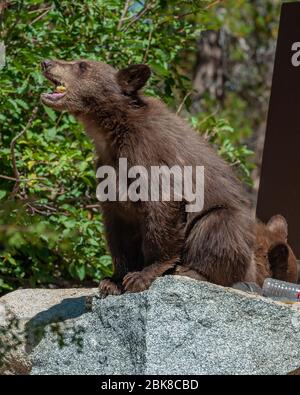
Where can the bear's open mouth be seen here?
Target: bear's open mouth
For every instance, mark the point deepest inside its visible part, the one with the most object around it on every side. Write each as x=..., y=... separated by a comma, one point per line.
x=59, y=92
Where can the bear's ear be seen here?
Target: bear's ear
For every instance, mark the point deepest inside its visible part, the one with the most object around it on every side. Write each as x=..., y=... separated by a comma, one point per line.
x=278, y=256
x=278, y=225
x=133, y=78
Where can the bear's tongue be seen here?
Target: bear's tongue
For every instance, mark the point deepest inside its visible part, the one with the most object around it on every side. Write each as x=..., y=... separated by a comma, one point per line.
x=54, y=95
x=57, y=94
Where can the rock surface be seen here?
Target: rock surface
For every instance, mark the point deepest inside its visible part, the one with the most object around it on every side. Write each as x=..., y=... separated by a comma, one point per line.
x=179, y=326
x=22, y=311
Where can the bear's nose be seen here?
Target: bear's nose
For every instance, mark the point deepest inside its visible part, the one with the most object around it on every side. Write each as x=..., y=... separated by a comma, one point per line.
x=46, y=64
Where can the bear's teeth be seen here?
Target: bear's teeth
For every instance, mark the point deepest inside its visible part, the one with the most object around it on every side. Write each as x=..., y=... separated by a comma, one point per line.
x=60, y=89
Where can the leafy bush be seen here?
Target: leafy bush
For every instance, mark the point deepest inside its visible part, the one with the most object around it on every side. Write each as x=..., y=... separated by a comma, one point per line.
x=50, y=227
x=220, y=134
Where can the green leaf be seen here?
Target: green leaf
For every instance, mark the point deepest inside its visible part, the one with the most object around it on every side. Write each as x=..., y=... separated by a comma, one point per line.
x=80, y=270
x=2, y=194
x=51, y=113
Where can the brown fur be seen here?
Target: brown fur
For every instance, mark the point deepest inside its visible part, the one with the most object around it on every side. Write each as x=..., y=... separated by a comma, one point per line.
x=273, y=256
x=145, y=236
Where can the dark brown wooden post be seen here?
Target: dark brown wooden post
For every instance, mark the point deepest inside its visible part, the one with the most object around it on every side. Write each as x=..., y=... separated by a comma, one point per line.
x=279, y=191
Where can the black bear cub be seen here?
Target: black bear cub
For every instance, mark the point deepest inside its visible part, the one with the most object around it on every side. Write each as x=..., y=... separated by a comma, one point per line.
x=148, y=238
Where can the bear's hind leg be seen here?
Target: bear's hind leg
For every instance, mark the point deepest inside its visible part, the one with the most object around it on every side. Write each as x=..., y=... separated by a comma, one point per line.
x=220, y=247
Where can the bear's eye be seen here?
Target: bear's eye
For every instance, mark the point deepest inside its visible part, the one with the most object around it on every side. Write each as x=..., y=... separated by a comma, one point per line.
x=82, y=66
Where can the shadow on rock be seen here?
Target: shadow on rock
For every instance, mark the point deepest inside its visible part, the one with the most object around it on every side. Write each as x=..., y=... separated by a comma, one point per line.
x=55, y=318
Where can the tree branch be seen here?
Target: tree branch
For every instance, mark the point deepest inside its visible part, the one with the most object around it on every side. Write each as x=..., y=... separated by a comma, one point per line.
x=91, y=206
x=148, y=46
x=124, y=12
x=138, y=16
x=213, y=4
x=35, y=210
x=216, y=2
x=183, y=102
x=41, y=15
x=21, y=179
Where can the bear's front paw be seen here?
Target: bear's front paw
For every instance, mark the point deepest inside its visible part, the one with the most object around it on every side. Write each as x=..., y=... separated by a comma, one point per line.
x=136, y=282
x=108, y=287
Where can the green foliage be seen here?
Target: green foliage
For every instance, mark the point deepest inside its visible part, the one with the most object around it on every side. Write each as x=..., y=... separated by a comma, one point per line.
x=249, y=40
x=49, y=227
x=220, y=134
